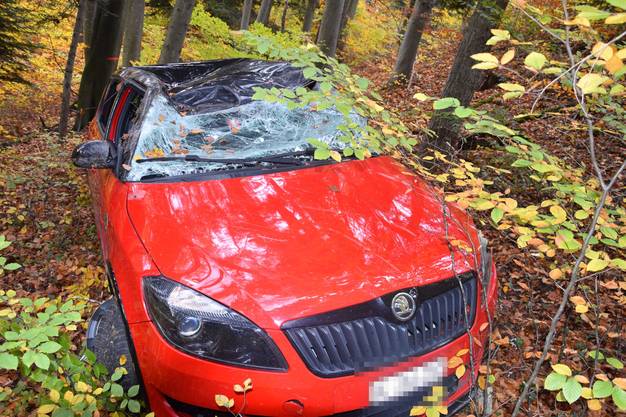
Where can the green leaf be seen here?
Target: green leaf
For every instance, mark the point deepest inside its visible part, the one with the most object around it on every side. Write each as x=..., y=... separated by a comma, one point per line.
x=554, y=381
x=134, y=406
x=620, y=4
x=12, y=266
x=49, y=347
x=8, y=361
x=421, y=97
x=602, y=389
x=325, y=87
x=535, y=60
x=615, y=363
x=132, y=391
x=572, y=390
x=42, y=361
x=62, y=412
x=117, y=390
x=463, y=112
x=29, y=358
x=362, y=83
x=619, y=398
x=445, y=103
x=596, y=265
x=309, y=72
x=592, y=13
x=321, y=153
x=497, y=214
x=589, y=83
x=593, y=353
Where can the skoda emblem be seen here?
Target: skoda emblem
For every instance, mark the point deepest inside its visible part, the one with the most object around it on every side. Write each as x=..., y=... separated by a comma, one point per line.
x=403, y=306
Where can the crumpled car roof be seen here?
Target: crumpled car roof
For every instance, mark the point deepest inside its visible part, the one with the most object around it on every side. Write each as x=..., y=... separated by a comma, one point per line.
x=208, y=86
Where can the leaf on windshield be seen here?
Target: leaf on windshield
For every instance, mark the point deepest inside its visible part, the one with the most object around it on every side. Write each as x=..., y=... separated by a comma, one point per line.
x=161, y=117
x=196, y=131
x=154, y=153
x=209, y=139
x=208, y=149
x=234, y=126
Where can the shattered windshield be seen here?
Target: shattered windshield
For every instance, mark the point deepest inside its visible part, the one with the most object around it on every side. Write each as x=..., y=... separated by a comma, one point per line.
x=254, y=130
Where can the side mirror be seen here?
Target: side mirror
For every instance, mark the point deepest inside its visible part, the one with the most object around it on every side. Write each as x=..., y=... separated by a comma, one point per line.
x=95, y=154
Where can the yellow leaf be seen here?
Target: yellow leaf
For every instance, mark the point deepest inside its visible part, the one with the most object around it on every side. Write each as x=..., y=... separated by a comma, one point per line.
x=507, y=57
x=613, y=64
x=123, y=360
x=620, y=382
x=46, y=409
x=616, y=19
x=418, y=411
x=580, y=21
x=54, y=395
x=460, y=371
x=559, y=214
x=221, y=400
x=586, y=393
x=68, y=396
x=485, y=66
x=594, y=405
x=462, y=352
x=335, y=155
x=561, y=369
x=578, y=300
x=582, y=308
x=485, y=57
x=238, y=388
x=589, y=83
x=484, y=326
x=442, y=409
x=596, y=265
x=602, y=50
x=81, y=386
x=582, y=379
x=556, y=274
x=454, y=361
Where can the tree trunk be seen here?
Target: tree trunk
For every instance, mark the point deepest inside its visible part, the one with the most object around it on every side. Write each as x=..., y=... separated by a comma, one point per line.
x=133, y=32
x=102, y=59
x=403, y=69
x=69, y=69
x=176, y=31
x=309, y=15
x=463, y=81
x=264, y=12
x=89, y=15
x=246, y=11
x=330, y=26
x=283, y=19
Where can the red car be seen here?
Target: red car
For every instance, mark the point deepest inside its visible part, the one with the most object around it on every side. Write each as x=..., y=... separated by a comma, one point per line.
x=234, y=254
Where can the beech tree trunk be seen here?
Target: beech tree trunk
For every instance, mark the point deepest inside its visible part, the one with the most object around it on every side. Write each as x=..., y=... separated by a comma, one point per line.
x=264, y=12
x=69, y=69
x=102, y=59
x=176, y=31
x=283, y=19
x=420, y=17
x=463, y=81
x=309, y=15
x=349, y=11
x=246, y=11
x=330, y=27
x=89, y=15
x=133, y=32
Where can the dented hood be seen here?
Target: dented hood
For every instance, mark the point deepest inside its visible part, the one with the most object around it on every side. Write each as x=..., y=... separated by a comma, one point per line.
x=292, y=244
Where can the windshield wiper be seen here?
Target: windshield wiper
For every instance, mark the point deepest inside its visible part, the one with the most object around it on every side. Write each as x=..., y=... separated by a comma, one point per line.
x=274, y=159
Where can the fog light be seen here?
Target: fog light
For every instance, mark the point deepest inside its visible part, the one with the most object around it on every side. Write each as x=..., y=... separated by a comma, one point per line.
x=189, y=326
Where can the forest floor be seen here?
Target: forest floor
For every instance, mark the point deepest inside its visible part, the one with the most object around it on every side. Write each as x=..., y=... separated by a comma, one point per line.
x=47, y=214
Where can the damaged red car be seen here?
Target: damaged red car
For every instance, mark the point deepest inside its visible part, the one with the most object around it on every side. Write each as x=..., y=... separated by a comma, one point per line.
x=233, y=255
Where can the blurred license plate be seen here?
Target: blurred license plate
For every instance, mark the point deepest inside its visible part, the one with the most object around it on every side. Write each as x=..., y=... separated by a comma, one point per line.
x=399, y=386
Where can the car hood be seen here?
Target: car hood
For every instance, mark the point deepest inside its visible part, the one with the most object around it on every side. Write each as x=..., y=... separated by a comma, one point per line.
x=292, y=244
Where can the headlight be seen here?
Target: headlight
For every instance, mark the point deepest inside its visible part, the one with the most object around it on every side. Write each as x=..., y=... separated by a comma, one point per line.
x=485, y=266
x=202, y=327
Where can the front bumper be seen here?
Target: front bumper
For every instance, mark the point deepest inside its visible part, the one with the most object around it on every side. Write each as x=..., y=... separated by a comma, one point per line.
x=172, y=378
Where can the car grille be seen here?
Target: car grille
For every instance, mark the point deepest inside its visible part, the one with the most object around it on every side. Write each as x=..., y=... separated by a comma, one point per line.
x=338, y=343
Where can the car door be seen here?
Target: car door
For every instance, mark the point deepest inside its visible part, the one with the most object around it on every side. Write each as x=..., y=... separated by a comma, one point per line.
x=107, y=188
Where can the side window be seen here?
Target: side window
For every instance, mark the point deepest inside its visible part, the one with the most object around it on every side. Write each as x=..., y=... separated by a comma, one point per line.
x=125, y=113
x=106, y=104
